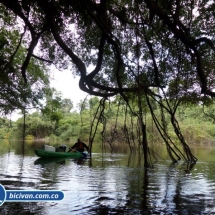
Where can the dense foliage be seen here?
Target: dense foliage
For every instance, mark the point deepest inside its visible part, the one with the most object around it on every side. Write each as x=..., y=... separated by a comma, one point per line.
x=197, y=125
x=14, y=92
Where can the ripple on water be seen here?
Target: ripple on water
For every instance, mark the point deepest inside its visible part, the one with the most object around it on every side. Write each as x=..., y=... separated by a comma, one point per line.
x=111, y=187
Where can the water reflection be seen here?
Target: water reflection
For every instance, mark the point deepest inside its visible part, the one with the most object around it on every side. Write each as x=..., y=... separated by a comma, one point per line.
x=61, y=161
x=43, y=161
x=174, y=189
x=109, y=184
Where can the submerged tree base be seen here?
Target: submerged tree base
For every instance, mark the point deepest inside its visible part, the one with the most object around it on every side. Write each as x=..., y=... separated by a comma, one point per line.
x=135, y=131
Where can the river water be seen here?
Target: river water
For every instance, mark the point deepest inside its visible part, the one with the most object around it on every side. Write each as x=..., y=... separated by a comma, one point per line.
x=109, y=183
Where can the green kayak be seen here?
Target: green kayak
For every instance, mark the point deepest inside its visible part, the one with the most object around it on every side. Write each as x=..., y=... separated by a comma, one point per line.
x=51, y=154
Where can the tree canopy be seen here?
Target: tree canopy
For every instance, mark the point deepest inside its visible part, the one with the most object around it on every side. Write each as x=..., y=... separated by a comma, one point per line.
x=14, y=92
x=133, y=45
x=135, y=48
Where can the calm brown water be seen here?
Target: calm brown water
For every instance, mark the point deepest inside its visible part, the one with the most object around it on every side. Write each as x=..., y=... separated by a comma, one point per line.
x=109, y=184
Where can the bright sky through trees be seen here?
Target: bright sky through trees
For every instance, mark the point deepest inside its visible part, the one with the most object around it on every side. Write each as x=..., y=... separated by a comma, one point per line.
x=67, y=84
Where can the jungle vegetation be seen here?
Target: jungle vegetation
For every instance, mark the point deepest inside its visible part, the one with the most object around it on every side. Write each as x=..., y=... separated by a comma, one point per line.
x=148, y=55
x=58, y=121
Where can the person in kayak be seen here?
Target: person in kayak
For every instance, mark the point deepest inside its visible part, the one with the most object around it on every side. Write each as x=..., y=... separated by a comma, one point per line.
x=79, y=146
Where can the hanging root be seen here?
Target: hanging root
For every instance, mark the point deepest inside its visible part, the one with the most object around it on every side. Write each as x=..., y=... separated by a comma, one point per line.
x=99, y=116
x=162, y=128
x=189, y=155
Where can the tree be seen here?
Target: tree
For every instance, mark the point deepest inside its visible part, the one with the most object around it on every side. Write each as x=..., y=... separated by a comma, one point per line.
x=134, y=46
x=36, y=126
x=56, y=107
x=66, y=106
x=14, y=93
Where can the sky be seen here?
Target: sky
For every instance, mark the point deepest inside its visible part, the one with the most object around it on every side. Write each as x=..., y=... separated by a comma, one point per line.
x=67, y=84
